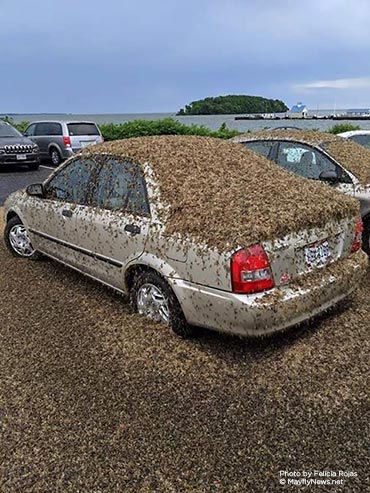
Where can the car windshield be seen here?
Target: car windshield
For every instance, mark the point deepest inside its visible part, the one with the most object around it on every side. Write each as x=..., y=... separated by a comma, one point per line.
x=82, y=129
x=8, y=131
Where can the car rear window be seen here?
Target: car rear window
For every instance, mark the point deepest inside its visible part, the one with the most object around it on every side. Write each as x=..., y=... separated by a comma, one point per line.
x=82, y=129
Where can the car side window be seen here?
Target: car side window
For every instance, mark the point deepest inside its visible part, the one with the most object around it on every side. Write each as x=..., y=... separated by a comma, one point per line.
x=71, y=183
x=262, y=147
x=120, y=186
x=304, y=160
x=54, y=129
x=363, y=140
x=47, y=128
x=30, y=131
x=41, y=129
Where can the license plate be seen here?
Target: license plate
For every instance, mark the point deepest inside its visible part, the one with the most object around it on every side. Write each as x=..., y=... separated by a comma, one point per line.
x=87, y=143
x=21, y=157
x=318, y=254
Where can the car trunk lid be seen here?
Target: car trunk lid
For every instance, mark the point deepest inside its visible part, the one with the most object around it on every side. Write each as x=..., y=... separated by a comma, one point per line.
x=308, y=250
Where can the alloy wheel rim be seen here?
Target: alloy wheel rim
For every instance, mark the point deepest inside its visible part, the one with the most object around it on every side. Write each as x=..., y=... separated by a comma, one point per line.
x=152, y=303
x=55, y=157
x=20, y=241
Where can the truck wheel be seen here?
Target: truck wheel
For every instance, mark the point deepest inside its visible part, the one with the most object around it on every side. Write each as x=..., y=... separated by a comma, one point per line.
x=152, y=297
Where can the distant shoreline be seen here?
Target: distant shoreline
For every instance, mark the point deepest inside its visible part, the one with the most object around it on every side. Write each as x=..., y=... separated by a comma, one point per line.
x=212, y=122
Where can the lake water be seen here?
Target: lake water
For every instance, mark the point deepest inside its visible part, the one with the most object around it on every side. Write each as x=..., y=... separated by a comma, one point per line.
x=211, y=121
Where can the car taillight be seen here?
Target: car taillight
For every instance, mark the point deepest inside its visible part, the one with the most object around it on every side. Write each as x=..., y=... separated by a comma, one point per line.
x=251, y=271
x=67, y=141
x=357, y=241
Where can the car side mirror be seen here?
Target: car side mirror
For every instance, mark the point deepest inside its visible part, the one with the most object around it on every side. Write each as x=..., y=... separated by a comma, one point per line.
x=329, y=176
x=36, y=190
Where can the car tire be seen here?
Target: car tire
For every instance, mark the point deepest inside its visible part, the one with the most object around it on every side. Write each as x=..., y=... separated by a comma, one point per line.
x=33, y=166
x=366, y=236
x=152, y=297
x=55, y=156
x=16, y=238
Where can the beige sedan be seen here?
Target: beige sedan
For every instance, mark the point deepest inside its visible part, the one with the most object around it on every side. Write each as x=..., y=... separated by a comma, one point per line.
x=198, y=231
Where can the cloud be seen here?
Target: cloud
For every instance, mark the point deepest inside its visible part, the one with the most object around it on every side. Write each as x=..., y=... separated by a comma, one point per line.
x=157, y=55
x=351, y=83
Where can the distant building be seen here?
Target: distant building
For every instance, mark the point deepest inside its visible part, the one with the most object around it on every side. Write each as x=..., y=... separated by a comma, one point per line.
x=358, y=112
x=299, y=110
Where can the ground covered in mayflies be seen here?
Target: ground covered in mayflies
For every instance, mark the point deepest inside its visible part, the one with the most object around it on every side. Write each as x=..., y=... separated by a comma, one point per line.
x=93, y=398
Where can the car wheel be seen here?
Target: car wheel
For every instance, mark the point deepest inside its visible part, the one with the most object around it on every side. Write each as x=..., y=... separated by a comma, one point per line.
x=33, y=166
x=17, y=240
x=366, y=236
x=55, y=156
x=153, y=298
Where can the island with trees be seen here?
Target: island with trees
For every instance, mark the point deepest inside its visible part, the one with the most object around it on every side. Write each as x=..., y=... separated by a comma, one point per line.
x=234, y=105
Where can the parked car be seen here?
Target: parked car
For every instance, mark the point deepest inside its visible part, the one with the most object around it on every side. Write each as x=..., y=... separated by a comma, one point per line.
x=361, y=137
x=59, y=140
x=17, y=149
x=198, y=231
x=322, y=157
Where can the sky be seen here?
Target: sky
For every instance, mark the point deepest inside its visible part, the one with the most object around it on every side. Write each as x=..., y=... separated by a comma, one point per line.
x=141, y=56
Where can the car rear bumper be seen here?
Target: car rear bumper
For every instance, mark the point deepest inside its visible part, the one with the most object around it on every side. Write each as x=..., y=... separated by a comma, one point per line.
x=264, y=313
x=68, y=152
x=76, y=149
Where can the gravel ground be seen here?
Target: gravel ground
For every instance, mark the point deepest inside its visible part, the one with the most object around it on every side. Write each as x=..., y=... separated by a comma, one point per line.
x=94, y=399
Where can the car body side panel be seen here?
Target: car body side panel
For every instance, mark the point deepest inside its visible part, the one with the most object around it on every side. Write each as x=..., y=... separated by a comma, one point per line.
x=50, y=231
x=190, y=261
x=102, y=233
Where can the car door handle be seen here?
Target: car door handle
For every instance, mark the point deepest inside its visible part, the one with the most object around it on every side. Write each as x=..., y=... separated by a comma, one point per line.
x=133, y=229
x=67, y=213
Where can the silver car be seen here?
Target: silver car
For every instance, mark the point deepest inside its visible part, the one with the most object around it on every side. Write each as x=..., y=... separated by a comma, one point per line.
x=344, y=165
x=59, y=140
x=178, y=224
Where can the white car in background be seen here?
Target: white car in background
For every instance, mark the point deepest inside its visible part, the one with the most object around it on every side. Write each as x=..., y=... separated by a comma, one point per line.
x=318, y=156
x=361, y=137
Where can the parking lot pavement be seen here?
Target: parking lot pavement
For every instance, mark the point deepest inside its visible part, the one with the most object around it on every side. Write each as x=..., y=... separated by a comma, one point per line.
x=94, y=398
x=15, y=177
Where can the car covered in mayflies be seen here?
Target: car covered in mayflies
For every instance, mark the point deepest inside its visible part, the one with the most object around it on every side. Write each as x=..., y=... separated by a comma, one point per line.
x=342, y=164
x=197, y=231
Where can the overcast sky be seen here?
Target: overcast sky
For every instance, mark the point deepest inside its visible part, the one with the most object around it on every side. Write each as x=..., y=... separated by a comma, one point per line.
x=119, y=56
